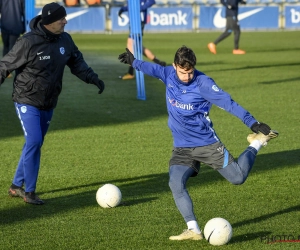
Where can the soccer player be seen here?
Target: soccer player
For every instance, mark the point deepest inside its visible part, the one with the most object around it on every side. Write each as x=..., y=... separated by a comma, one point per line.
x=145, y=5
x=190, y=95
x=232, y=24
x=39, y=58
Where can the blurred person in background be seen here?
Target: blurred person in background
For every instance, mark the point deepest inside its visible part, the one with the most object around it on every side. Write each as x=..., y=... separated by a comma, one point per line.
x=12, y=23
x=232, y=24
x=145, y=5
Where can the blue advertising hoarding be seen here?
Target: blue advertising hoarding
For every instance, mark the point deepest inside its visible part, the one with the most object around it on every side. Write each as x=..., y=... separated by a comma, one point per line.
x=292, y=16
x=258, y=17
x=84, y=19
x=170, y=19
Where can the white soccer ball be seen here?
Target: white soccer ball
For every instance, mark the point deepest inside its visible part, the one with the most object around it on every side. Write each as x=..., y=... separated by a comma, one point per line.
x=108, y=196
x=218, y=231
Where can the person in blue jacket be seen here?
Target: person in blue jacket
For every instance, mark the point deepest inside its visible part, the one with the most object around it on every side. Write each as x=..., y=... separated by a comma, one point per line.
x=12, y=23
x=190, y=95
x=145, y=5
x=232, y=24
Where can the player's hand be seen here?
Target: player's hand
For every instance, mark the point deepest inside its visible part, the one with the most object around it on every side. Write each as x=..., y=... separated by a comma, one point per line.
x=99, y=83
x=127, y=57
x=120, y=13
x=261, y=127
x=229, y=6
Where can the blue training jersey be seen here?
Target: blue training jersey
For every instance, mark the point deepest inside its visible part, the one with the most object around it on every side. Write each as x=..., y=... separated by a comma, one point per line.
x=189, y=104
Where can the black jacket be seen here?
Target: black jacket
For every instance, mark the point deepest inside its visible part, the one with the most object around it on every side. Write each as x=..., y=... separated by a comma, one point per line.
x=232, y=7
x=39, y=60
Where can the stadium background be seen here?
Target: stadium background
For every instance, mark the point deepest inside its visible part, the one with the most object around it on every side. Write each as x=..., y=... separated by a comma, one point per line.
x=178, y=15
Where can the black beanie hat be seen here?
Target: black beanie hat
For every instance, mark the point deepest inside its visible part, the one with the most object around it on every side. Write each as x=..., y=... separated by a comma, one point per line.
x=52, y=12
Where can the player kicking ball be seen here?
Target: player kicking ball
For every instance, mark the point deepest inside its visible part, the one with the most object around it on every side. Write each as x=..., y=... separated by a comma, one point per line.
x=190, y=95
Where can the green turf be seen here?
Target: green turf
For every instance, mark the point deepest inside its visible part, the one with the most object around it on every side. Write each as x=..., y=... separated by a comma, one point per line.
x=115, y=138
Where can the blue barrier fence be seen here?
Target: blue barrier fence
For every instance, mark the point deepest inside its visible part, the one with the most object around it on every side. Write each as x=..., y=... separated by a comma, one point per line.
x=186, y=18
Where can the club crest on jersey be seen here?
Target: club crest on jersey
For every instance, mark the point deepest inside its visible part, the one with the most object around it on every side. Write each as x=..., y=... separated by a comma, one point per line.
x=62, y=50
x=215, y=88
x=24, y=109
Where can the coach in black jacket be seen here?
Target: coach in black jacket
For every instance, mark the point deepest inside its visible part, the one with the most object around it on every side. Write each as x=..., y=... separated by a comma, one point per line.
x=39, y=58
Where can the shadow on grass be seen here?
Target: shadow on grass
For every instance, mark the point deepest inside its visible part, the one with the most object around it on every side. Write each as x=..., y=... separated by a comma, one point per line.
x=80, y=106
x=295, y=79
x=249, y=237
x=255, y=67
x=141, y=189
x=266, y=216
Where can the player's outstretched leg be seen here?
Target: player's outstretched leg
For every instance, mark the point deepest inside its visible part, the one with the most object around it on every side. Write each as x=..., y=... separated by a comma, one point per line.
x=237, y=172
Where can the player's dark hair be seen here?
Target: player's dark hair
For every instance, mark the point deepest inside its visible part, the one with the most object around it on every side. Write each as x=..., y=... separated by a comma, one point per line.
x=185, y=58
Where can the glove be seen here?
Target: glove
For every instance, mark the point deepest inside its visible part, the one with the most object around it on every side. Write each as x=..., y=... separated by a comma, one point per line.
x=229, y=6
x=120, y=13
x=126, y=57
x=99, y=83
x=260, y=127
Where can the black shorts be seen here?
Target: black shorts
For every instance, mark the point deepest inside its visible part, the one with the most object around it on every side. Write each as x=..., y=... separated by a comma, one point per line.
x=232, y=24
x=214, y=155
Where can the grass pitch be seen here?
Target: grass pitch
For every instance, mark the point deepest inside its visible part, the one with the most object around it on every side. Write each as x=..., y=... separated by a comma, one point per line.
x=115, y=138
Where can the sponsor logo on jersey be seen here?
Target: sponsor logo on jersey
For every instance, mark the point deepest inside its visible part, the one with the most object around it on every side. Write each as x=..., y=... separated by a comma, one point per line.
x=184, y=106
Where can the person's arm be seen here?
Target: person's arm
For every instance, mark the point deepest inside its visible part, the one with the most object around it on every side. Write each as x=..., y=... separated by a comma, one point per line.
x=225, y=3
x=151, y=69
x=214, y=94
x=15, y=58
x=230, y=4
x=122, y=9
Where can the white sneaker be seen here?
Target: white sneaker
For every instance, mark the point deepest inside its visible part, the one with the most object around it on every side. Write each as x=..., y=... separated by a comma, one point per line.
x=262, y=138
x=187, y=235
